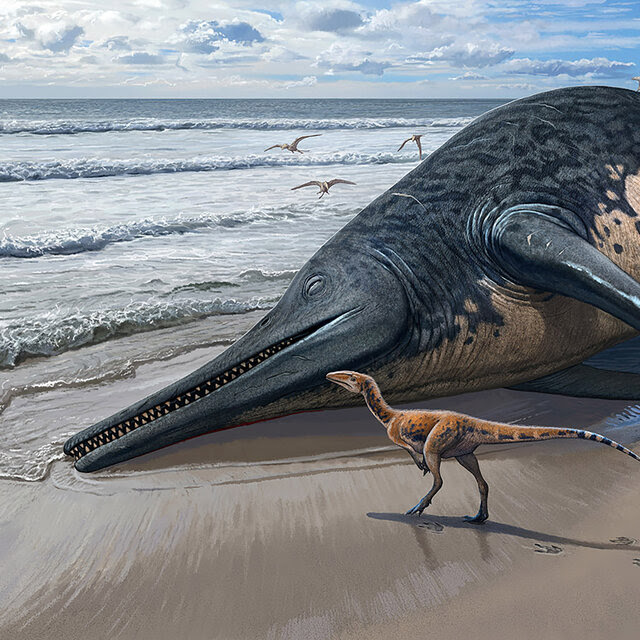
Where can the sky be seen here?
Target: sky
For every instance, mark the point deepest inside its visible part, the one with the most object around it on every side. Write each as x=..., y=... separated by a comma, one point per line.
x=315, y=49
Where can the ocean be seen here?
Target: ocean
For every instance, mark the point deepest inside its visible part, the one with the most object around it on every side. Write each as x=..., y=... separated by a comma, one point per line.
x=136, y=231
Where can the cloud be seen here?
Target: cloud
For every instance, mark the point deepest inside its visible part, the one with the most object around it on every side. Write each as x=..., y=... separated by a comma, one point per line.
x=117, y=43
x=229, y=53
x=470, y=75
x=204, y=36
x=28, y=10
x=4, y=58
x=179, y=62
x=282, y=55
x=340, y=58
x=369, y=67
x=276, y=15
x=287, y=46
x=19, y=30
x=572, y=3
x=141, y=57
x=241, y=32
x=58, y=37
x=470, y=54
x=601, y=67
x=517, y=86
x=219, y=59
x=307, y=81
x=136, y=81
x=332, y=20
x=414, y=19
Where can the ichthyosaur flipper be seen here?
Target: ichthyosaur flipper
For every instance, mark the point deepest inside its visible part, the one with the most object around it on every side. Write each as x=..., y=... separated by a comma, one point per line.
x=554, y=254
x=584, y=381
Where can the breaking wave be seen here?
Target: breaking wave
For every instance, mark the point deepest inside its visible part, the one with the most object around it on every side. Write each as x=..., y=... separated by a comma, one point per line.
x=30, y=465
x=258, y=275
x=81, y=239
x=53, y=334
x=103, y=168
x=61, y=127
x=250, y=275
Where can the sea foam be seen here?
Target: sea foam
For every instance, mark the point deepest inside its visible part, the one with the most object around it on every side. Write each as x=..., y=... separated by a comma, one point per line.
x=102, y=168
x=61, y=127
x=54, y=333
x=72, y=240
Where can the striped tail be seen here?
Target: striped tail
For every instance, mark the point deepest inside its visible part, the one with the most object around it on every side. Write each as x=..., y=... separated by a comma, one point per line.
x=499, y=433
x=589, y=435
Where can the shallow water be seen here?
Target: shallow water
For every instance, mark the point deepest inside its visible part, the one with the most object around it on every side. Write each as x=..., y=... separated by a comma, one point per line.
x=122, y=216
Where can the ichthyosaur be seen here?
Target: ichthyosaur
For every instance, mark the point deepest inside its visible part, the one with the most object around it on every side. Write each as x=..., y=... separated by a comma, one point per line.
x=506, y=258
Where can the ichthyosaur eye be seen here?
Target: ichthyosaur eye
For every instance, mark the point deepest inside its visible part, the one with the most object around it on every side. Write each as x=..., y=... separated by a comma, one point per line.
x=314, y=285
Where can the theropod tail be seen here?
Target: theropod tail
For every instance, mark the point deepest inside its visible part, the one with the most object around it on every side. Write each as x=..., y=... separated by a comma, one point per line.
x=512, y=433
x=589, y=435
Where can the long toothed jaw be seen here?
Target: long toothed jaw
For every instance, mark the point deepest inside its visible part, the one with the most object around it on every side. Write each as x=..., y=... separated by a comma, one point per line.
x=117, y=431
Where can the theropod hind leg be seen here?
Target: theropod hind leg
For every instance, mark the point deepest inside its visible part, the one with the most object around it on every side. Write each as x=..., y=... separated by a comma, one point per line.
x=470, y=463
x=433, y=464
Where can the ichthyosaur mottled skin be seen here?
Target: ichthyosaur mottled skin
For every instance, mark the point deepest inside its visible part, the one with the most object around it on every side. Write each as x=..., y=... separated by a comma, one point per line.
x=506, y=258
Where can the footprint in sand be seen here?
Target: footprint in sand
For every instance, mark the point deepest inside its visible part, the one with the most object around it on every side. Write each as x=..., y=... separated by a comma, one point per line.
x=434, y=527
x=550, y=549
x=623, y=540
x=636, y=561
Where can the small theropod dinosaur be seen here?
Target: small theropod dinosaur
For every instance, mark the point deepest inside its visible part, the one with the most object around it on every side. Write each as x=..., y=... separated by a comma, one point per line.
x=430, y=436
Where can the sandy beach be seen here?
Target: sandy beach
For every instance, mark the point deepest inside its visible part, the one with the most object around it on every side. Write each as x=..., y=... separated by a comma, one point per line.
x=293, y=529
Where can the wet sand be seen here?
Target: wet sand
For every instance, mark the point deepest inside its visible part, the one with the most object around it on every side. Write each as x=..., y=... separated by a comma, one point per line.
x=293, y=529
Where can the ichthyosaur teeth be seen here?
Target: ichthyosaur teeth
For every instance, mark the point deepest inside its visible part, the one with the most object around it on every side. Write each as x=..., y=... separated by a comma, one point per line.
x=162, y=409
